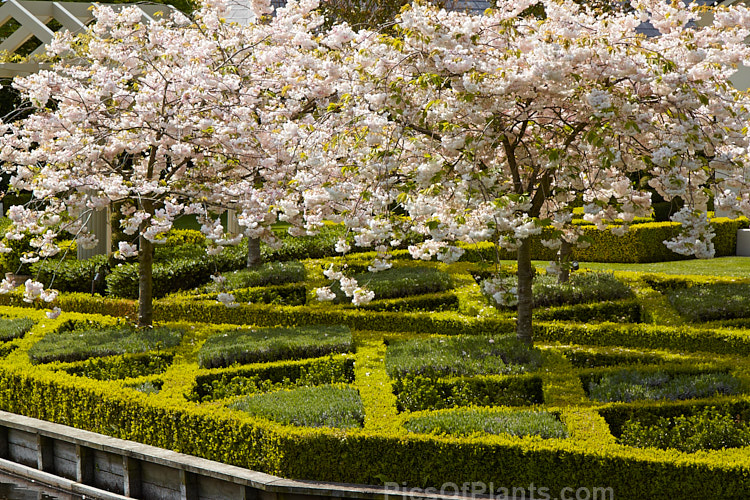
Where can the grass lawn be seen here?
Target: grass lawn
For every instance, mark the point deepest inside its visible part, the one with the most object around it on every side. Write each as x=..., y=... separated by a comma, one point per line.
x=720, y=266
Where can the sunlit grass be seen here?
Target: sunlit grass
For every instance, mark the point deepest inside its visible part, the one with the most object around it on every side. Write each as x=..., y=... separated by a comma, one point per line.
x=721, y=266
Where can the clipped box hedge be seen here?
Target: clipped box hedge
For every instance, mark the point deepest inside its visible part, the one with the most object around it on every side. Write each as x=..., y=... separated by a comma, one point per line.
x=415, y=393
x=640, y=244
x=589, y=457
x=237, y=381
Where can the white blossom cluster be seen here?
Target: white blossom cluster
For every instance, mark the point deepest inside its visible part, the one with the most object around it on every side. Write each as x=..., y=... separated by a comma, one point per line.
x=502, y=290
x=459, y=127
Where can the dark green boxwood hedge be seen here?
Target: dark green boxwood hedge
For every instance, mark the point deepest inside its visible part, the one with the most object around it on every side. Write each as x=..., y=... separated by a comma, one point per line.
x=632, y=385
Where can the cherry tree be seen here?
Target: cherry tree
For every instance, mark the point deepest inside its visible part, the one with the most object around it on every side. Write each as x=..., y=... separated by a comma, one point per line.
x=167, y=118
x=489, y=128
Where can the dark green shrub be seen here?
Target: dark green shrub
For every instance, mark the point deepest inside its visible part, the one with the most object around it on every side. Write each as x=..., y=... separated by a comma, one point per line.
x=166, y=253
x=14, y=328
x=271, y=344
x=79, y=345
x=709, y=429
x=71, y=274
x=286, y=295
x=633, y=385
x=119, y=367
x=318, y=246
x=615, y=311
x=442, y=301
x=322, y=406
x=6, y=348
x=183, y=272
x=11, y=262
x=465, y=422
x=292, y=294
x=270, y=273
x=72, y=325
x=461, y=355
x=712, y=302
x=417, y=392
x=400, y=282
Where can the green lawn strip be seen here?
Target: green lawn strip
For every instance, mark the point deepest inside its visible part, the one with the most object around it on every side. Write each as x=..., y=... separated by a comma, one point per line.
x=738, y=267
x=720, y=266
x=374, y=385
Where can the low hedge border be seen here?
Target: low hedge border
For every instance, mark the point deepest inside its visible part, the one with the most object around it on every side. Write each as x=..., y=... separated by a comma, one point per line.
x=616, y=414
x=655, y=307
x=440, y=301
x=617, y=311
x=360, y=456
x=291, y=294
x=640, y=244
x=222, y=383
x=583, y=357
x=417, y=392
x=119, y=367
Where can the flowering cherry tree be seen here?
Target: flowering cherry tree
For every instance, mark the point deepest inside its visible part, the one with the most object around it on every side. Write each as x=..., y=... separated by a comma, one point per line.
x=489, y=128
x=167, y=118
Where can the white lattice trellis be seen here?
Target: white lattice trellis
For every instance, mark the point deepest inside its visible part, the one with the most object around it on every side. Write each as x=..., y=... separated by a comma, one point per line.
x=33, y=18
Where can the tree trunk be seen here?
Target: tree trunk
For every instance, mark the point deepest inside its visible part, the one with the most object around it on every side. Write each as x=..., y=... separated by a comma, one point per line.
x=563, y=259
x=253, y=252
x=145, y=273
x=524, y=330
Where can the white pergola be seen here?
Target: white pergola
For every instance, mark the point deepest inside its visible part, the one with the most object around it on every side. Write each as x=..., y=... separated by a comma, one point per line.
x=33, y=17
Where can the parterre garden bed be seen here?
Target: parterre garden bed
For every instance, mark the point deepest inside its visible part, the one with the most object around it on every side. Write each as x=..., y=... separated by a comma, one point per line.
x=427, y=386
